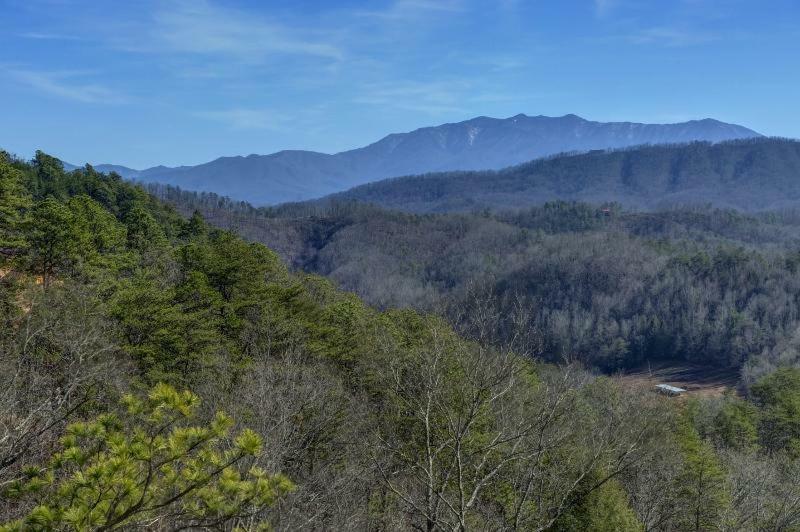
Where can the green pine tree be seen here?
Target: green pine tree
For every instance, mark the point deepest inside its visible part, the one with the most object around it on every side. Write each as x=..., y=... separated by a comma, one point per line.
x=54, y=245
x=14, y=202
x=779, y=395
x=700, y=485
x=146, y=468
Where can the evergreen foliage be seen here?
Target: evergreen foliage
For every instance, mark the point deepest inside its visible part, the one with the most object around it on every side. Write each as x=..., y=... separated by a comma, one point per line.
x=147, y=468
x=779, y=395
x=14, y=201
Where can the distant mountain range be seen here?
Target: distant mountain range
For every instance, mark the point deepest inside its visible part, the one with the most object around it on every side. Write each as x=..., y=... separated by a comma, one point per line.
x=479, y=144
x=751, y=174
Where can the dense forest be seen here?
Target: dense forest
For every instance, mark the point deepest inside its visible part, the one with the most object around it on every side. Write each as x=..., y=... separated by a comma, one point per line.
x=751, y=175
x=161, y=373
x=608, y=287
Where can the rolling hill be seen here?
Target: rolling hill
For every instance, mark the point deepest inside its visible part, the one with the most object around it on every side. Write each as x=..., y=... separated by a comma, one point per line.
x=753, y=174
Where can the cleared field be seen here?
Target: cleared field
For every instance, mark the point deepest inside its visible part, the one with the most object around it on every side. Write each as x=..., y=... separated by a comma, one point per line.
x=696, y=380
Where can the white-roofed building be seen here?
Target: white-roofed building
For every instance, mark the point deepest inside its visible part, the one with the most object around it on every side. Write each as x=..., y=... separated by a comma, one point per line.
x=669, y=389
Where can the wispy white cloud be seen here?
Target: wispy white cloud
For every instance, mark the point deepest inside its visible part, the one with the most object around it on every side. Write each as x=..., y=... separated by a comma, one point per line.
x=67, y=85
x=672, y=37
x=433, y=98
x=436, y=98
x=604, y=7
x=244, y=118
x=408, y=9
x=200, y=27
x=45, y=36
x=495, y=63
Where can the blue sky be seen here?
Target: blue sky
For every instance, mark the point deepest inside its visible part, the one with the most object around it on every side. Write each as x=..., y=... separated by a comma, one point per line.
x=175, y=82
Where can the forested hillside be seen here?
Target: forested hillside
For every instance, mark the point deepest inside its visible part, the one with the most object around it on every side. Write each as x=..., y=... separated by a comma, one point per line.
x=751, y=175
x=611, y=288
x=128, y=329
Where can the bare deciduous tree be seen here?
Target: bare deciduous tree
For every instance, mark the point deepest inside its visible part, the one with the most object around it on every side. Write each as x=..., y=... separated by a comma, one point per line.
x=765, y=492
x=59, y=357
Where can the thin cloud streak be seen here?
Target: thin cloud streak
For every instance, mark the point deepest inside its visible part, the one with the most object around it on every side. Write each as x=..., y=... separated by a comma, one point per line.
x=434, y=98
x=431, y=98
x=48, y=36
x=604, y=7
x=203, y=28
x=244, y=118
x=671, y=37
x=58, y=84
x=402, y=10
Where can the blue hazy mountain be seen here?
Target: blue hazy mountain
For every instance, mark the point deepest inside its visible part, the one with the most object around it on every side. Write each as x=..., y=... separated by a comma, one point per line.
x=481, y=143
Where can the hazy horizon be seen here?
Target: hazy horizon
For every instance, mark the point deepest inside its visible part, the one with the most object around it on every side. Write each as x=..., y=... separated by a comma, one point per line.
x=227, y=155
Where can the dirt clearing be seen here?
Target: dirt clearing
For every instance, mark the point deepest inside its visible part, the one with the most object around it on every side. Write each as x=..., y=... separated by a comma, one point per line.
x=696, y=380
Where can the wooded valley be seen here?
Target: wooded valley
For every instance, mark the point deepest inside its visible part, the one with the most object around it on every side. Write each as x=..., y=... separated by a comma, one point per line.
x=129, y=328
x=610, y=288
